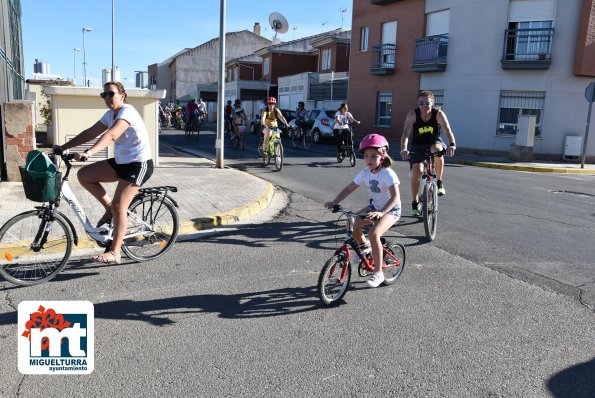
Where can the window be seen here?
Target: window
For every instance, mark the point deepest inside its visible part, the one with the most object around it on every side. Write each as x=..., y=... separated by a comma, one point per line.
x=529, y=40
x=438, y=97
x=326, y=59
x=266, y=66
x=363, y=38
x=384, y=104
x=515, y=103
x=437, y=23
x=389, y=41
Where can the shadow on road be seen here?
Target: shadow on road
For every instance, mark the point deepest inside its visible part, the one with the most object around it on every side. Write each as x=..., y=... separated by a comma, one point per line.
x=574, y=382
x=159, y=312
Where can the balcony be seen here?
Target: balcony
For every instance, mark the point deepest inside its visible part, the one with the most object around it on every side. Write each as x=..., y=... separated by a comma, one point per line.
x=383, y=59
x=430, y=54
x=382, y=2
x=527, y=48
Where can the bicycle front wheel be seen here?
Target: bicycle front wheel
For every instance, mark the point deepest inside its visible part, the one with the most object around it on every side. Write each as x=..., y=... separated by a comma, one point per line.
x=278, y=155
x=308, y=139
x=295, y=141
x=153, y=227
x=352, y=158
x=429, y=213
x=394, y=258
x=334, y=279
x=22, y=260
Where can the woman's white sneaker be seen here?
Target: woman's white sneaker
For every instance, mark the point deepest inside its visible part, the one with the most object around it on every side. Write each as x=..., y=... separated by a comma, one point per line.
x=376, y=279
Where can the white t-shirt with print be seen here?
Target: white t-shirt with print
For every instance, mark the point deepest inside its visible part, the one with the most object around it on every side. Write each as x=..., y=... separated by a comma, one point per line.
x=133, y=144
x=345, y=118
x=378, y=185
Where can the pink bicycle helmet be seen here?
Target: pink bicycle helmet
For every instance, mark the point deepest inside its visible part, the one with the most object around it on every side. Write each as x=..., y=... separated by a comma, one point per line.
x=374, y=141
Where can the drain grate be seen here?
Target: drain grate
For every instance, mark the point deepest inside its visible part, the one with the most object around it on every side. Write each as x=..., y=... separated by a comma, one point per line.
x=587, y=195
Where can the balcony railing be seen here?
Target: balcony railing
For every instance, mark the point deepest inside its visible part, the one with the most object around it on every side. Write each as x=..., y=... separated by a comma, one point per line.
x=382, y=2
x=430, y=54
x=383, y=59
x=527, y=48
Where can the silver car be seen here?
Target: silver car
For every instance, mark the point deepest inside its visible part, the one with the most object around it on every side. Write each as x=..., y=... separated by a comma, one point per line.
x=321, y=122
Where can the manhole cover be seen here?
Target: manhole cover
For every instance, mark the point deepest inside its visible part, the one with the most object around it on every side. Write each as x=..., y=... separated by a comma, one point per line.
x=573, y=193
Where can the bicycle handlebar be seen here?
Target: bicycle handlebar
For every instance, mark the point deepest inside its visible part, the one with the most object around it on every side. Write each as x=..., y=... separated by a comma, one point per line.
x=429, y=153
x=341, y=209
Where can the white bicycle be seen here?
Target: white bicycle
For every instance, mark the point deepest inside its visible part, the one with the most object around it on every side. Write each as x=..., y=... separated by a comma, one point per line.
x=36, y=245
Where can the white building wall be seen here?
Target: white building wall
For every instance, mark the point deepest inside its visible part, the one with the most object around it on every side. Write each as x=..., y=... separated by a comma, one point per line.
x=474, y=76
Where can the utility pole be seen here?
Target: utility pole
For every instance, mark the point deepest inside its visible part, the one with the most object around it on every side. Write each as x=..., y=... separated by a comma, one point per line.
x=221, y=90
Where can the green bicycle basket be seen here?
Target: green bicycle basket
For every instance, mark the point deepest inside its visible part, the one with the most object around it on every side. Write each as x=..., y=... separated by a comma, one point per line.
x=41, y=179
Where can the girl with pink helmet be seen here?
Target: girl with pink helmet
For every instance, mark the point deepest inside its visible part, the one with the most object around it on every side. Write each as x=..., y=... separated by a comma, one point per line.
x=384, y=207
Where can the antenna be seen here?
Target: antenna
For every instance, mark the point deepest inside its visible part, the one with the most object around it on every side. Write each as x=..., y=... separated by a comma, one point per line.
x=324, y=23
x=278, y=24
x=294, y=28
x=342, y=11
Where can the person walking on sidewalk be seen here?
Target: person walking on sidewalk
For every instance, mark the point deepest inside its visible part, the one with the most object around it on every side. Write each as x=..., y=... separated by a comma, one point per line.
x=130, y=168
x=423, y=125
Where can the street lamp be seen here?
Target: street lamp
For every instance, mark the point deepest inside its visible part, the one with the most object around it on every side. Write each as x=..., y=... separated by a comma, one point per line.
x=85, y=57
x=74, y=64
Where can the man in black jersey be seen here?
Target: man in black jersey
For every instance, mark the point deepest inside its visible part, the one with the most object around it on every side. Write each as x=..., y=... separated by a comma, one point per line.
x=423, y=125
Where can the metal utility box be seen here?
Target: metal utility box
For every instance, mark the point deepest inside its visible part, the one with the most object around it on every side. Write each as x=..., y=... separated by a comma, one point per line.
x=572, y=147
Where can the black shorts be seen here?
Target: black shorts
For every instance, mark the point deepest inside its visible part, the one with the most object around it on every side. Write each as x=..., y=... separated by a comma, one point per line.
x=136, y=172
x=419, y=150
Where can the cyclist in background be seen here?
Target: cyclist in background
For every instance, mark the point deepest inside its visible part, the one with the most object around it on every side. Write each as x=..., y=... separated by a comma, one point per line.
x=191, y=113
x=239, y=118
x=202, y=110
x=341, y=129
x=423, y=125
x=300, y=117
x=131, y=166
x=385, y=200
x=268, y=120
x=227, y=114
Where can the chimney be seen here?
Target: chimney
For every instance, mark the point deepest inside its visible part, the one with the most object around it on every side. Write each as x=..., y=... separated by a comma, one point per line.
x=257, y=28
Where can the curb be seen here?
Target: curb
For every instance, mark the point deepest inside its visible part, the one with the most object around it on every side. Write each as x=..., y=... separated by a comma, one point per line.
x=231, y=216
x=527, y=168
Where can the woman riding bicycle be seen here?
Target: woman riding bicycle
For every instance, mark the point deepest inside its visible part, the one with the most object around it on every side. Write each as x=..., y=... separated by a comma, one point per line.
x=268, y=119
x=130, y=168
x=384, y=208
x=300, y=118
x=341, y=129
x=240, y=120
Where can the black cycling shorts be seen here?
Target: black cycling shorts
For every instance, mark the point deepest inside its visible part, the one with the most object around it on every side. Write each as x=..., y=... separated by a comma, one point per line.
x=136, y=172
x=419, y=151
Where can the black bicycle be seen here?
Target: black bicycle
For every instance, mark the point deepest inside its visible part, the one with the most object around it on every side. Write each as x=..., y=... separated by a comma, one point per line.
x=349, y=150
x=428, y=193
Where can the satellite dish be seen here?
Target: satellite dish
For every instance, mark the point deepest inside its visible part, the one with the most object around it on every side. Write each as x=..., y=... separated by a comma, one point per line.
x=278, y=23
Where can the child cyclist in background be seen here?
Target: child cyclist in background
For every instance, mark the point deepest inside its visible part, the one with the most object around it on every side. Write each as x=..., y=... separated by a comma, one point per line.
x=384, y=208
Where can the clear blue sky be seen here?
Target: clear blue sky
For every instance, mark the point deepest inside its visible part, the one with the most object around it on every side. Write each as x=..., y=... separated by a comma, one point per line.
x=149, y=31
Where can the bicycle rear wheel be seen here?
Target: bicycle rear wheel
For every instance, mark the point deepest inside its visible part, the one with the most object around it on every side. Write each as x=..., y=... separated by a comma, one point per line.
x=153, y=227
x=429, y=213
x=334, y=279
x=22, y=260
x=308, y=139
x=394, y=258
x=278, y=155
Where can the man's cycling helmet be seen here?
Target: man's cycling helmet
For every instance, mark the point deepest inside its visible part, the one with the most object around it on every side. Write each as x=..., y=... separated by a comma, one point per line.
x=192, y=99
x=271, y=100
x=374, y=141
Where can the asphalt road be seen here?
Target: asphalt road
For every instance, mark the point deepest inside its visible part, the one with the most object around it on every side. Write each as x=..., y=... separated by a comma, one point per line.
x=236, y=313
x=535, y=227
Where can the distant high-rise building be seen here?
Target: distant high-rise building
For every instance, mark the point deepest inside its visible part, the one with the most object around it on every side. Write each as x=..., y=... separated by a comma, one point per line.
x=107, y=75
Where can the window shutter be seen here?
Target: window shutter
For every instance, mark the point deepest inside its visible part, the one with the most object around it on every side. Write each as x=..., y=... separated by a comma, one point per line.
x=532, y=10
x=437, y=23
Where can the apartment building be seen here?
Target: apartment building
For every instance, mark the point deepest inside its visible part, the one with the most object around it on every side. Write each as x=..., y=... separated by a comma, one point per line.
x=488, y=61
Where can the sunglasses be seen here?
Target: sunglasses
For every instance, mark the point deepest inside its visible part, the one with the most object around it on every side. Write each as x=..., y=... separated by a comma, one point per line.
x=424, y=103
x=109, y=94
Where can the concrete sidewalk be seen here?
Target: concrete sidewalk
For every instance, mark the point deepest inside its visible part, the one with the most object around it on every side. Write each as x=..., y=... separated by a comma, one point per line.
x=207, y=197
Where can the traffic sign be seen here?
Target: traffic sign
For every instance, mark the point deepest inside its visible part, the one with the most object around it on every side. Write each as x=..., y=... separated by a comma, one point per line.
x=590, y=92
